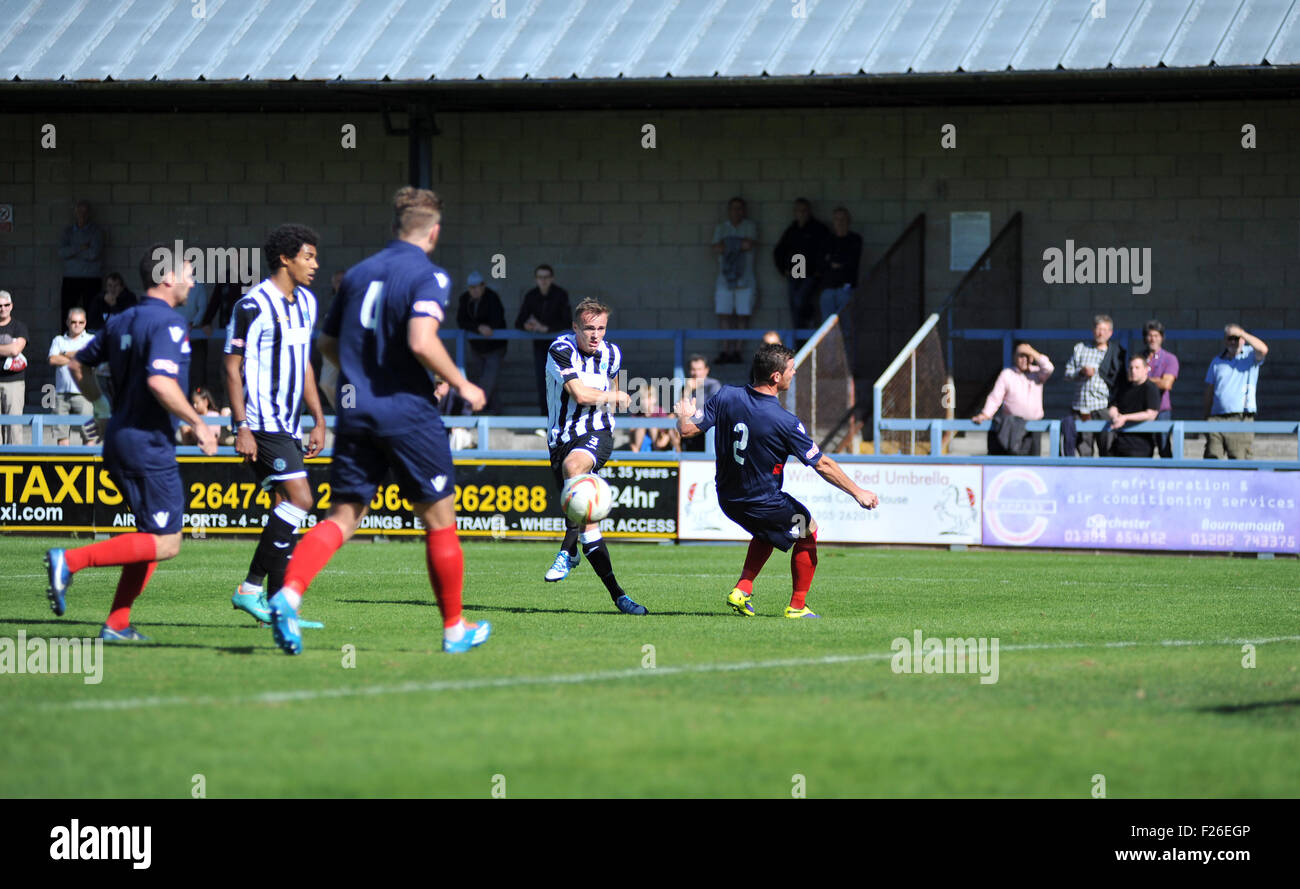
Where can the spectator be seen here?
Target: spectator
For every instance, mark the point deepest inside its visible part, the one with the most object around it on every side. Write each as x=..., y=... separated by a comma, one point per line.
x=13, y=366
x=734, y=240
x=115, y=299
x=318, y=364
x=1136, y=400
x=221, y=305
x=701, y=387
x=797, y=257
x=1017, y=396
x=1230, y=386
x=647, y=439
x=193, y=310
x=81, y=247
x=839, y=264
x=68, y=400
x=205, y=406
x=481, y=312
x=1095, y=367
x=450, y=404
x=545, y=309
x=772, y=337
x=1164, y=370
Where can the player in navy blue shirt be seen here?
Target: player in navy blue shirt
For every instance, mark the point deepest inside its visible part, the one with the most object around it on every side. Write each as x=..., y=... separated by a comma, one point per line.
x=382, y=333
x=755, y=436
x=147, y=349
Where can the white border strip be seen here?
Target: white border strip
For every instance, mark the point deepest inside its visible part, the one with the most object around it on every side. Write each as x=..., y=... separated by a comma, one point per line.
x=314, y=694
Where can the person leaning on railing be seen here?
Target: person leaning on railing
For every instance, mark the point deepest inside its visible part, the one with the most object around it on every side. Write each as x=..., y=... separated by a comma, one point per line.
x=1017, y=396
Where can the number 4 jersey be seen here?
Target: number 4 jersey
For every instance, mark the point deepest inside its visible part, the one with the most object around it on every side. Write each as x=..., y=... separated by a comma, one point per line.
x=755, y=436
x=383, y=387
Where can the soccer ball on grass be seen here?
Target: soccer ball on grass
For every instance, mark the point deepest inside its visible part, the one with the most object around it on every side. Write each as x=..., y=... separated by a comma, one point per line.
x=586, y=499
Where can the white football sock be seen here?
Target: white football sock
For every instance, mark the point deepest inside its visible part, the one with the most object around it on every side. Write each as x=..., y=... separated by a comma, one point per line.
x=455, y=632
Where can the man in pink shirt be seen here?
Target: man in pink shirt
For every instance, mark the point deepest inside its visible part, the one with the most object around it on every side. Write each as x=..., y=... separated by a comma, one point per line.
x=1018, y=393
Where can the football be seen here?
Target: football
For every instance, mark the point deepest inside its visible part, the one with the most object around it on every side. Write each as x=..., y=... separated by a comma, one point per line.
x=586, y=499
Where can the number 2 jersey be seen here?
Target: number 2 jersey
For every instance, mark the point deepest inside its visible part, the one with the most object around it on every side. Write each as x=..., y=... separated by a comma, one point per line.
x=755, y=436
x=383, y=387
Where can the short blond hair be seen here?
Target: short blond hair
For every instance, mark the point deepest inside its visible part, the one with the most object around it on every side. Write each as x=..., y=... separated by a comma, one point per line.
x=415, y=210
x=590, y=306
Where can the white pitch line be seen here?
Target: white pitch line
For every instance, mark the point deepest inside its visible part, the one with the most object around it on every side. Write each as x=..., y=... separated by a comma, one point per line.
x=313, y=694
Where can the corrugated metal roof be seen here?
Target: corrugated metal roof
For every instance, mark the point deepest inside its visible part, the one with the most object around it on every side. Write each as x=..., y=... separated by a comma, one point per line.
x=460, y=40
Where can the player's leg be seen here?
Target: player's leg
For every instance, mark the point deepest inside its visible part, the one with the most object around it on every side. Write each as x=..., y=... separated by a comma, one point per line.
x=278, y=468
x=445, y=561
x=355, y=472
x=803, y=560
x=755, y=558
x=421, y=461
x=580, y=462
x=157, y=502
x=567, y=558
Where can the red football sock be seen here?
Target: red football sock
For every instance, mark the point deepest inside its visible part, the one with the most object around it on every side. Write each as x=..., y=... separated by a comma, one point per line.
x=311, y=555
x=134, y=579
x=446, y=563
x=803, y=565
x=755, y=559
x=125, y=549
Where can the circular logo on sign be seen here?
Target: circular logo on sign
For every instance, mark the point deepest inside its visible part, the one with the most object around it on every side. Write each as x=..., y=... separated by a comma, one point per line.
x=279, y=464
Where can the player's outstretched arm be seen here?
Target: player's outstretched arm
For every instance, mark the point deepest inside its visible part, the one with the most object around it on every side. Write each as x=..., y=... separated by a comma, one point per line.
x=588, y=396
x=685, y=410
x=169, y=395
x=422, y=337
x=831, y=471
x=329, y=348
x=311, y=396
x=245, y=444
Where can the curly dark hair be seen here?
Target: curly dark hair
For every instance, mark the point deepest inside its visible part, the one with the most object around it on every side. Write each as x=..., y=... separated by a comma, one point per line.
x=286, y=240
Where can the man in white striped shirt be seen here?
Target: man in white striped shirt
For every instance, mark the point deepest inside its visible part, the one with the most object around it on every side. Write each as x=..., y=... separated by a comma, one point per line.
x=581, y=393
x=269, y=379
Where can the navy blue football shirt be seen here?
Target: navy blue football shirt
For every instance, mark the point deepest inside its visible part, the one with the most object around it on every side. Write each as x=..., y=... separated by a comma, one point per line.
x=755, y=437
x=148, y=339
x=391, y=390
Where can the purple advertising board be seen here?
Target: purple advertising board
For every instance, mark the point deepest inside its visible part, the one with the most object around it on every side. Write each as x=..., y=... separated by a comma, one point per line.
x=1167, y=509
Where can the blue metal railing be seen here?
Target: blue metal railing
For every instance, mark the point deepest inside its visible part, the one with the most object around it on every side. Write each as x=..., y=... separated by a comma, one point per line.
x=678, y=336
x=483, y=424
x=1176, y=429
x=1128, y=337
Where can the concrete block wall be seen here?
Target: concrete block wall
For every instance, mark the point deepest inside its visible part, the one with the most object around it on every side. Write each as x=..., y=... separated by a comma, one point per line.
x=631, y=225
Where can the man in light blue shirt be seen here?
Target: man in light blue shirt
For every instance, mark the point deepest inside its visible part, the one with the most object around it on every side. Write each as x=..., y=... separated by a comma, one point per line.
x=1230, y=386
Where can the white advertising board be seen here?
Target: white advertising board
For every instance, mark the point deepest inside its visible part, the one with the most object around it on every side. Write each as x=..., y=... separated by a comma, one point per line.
x=929, y=503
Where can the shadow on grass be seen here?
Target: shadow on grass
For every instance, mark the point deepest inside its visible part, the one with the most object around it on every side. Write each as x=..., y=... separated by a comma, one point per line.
x=1246, y=708
x=519, y=609
x=60, y=622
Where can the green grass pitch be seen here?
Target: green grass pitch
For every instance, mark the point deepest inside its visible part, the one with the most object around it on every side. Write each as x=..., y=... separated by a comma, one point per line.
x=559, y=702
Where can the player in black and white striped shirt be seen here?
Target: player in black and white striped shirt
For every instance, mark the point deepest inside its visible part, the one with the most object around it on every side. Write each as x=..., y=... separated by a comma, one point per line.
x=581, y=394
x=269, y=379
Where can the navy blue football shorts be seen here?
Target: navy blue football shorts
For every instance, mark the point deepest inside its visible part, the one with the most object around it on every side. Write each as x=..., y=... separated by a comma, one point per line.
x=780, y=521
x=156, y=496
x=419, y=458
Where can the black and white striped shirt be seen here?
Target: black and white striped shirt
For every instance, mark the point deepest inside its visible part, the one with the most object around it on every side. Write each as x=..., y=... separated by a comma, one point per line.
x=564, y=362
x=274, y=336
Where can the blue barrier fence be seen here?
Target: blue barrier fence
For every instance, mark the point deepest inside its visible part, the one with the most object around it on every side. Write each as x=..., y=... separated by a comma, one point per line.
x=678, y=336
x=934, y=428
x=1176, y=429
